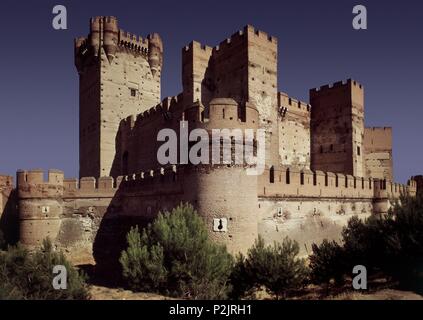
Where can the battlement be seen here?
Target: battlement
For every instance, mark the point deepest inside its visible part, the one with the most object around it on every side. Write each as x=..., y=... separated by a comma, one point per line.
x=220, y=109
x=285, y=101
x=169, y=104
x=379, y=128
x=336, y=86
x=108, y=186
x=197, y=45
x=36, y=177
x=260, y=34
x=105, y=32
x=87, y=184
x=286, y=182
x=241, y=35
x=31, y=184
x=6, y=181
x=133, y=42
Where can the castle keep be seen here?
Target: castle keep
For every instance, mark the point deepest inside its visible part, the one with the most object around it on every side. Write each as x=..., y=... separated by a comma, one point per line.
x=322, y=165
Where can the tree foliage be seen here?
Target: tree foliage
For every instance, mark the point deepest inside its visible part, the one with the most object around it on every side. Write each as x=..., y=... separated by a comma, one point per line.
x=174, y=255
x=276, y=268
x=391, y=245
x=29, y=275
x=327, y=263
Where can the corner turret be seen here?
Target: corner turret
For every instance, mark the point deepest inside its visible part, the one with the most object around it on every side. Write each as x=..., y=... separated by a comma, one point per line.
x=40, y=205
x=155, y=53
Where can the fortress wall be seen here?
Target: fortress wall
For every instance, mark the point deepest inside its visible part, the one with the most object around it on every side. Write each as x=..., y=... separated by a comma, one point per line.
x=308, y=220
x=293, y=182
x=294, y=131
x=378, y=153
x=313, y=184
x=90, y=217
x=137, y=143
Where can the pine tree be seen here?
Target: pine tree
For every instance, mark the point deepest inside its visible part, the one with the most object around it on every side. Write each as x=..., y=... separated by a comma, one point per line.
x=174, y=255
x=25, y=275
x=277, y=268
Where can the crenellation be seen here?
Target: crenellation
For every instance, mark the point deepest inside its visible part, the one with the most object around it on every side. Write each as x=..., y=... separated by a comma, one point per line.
x=336, y=85
x=284, y=101
x=133, y=41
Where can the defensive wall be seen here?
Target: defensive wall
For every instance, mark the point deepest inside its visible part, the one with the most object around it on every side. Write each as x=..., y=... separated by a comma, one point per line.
x=90, y=217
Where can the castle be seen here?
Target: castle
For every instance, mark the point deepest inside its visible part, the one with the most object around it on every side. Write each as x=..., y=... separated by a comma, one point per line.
x=322, y=165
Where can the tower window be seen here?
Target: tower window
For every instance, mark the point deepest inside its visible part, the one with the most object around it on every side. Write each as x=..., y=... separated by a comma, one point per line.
x=133, y=93
x=272, y=175
x=358, y=151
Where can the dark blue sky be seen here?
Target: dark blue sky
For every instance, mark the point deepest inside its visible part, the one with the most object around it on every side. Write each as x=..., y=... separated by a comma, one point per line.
x=317, y=45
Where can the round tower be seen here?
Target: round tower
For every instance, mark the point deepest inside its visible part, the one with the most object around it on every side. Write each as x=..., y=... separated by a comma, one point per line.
x=381, y=203
x=94, y=37
x=40, y=205
x=225, y=195
x=111, y=32
x=155, y=53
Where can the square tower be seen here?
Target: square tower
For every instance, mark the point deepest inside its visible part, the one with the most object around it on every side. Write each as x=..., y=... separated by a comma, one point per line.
x=337, y=128
x=119, y=75
x=378, y=153
x=242, y=67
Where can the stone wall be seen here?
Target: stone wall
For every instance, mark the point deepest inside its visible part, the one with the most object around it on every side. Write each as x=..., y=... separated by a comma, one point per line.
x=378, y=153
x=337, y=128
x=294, y=131
x=119, y=76
x=308, y=220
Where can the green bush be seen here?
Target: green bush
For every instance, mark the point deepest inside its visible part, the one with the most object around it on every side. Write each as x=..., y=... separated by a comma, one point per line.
x=174, y=256
x=276, y=268
x=404, y=243
x=25, y=275
x=390, y=245
x=327, y=263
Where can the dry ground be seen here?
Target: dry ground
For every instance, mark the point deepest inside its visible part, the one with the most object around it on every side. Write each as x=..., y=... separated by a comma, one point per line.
x=104, y=293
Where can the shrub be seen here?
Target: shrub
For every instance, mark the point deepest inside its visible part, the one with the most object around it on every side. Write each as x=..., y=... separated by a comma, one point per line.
x=404, y=243
x=390, y=245
x=327, y=263
x=276, y=268
x=174, y=256
x=25, y=275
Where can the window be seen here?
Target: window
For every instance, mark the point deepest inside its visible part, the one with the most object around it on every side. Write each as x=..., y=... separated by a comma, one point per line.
x=272, y=175
x=133, y=93
x=358, y=151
